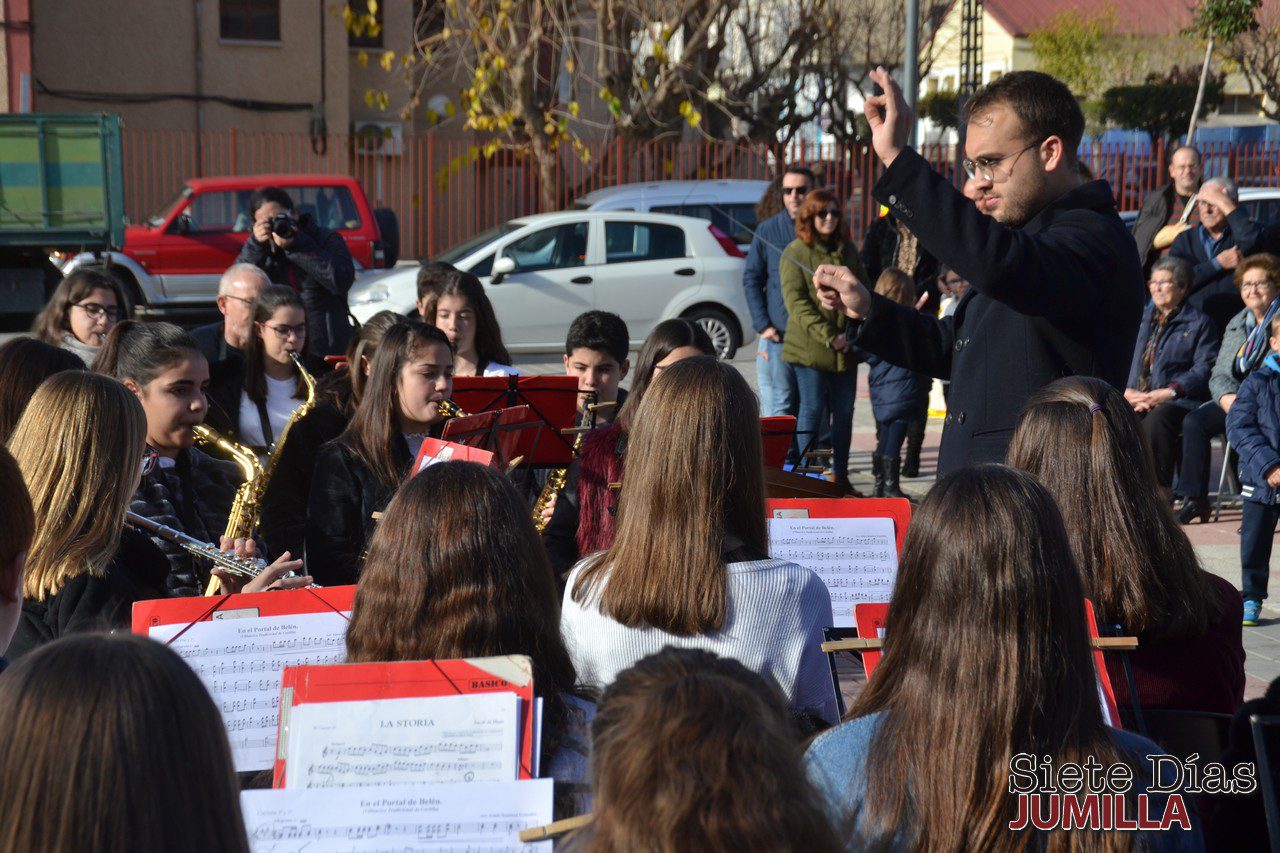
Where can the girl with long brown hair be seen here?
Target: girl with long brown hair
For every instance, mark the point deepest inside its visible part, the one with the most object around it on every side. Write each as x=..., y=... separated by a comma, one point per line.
x=357, y=473
x=456, y=304
x=986, y=656
x=815, y=342
x=691, y=751
x=112, y=744
x=81, y=445
x=580, y=520
x=689, y=564
x=1081, y=439
x=82, y=309
x=24, y=364
x=455, y=571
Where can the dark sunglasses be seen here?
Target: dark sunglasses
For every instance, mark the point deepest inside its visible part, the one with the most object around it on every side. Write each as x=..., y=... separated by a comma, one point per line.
x=794, y=190
x=829, y=212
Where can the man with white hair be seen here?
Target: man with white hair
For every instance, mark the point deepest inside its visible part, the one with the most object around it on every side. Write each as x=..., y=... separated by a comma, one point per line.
x=238, y=288
x=1215, y=247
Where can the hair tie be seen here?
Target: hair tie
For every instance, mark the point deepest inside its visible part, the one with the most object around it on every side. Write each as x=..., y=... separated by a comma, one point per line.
x=1095, y=408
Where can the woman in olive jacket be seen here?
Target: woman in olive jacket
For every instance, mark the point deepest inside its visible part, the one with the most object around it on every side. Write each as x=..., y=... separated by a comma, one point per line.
x=815, y=343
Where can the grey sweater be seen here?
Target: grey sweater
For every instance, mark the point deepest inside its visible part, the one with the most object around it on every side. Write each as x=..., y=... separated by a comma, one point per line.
x=777, y=611
x=1221, y=381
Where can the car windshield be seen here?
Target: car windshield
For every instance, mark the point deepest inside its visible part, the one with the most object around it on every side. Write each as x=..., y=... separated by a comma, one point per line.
x=460, y=251
x=167, y=211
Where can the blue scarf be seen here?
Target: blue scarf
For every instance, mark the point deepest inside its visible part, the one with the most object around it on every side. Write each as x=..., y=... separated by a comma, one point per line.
x=1256, y=345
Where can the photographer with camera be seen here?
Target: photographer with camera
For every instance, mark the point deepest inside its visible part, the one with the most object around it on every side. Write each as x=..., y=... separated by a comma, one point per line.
x=295, y=251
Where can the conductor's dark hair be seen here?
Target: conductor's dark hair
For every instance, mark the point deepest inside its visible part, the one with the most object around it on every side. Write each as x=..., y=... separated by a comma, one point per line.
x=1043, y=104
x=140, y=760
x=24, y=364
x=262, y=195
x=142, y=351
x=599, y=330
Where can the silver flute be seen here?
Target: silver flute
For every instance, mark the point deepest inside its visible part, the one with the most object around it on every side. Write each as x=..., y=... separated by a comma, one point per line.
x=246, y=568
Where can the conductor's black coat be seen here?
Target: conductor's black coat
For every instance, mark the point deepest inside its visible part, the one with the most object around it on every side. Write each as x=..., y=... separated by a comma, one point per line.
x=1060, y=296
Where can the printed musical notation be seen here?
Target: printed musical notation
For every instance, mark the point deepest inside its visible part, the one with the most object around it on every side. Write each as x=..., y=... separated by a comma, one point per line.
x=240, y=661
x=439, y=739
x=482, y=816
x=856, y=558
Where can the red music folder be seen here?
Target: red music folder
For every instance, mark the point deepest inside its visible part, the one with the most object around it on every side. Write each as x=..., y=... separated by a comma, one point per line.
x=898, y=509
x=412, y=679
x=776, y=434
x=434, y=450
x=287, y=602
x=553, y=401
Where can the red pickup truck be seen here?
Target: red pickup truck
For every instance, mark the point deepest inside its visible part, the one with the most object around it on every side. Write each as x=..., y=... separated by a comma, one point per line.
x=172, y=263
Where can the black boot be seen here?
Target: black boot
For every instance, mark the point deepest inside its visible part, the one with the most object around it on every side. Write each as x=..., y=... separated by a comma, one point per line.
x=889, y=465
x=915, y=440
x=877, y=468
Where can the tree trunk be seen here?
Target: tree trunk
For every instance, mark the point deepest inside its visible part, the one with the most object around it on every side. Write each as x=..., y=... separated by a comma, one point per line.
x=1204, y=79
x=546, y=160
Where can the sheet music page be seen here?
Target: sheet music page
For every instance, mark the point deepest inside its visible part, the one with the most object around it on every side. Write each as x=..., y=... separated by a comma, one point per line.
x=468, y=738
x=857, y=558
x=484, y=816
x=240, y=661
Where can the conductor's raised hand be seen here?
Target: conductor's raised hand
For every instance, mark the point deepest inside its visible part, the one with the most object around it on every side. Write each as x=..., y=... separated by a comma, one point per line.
x=889, y=116
x=839, y=290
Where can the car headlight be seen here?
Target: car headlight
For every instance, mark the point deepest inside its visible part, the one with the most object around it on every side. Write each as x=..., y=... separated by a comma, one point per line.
x=371, y=296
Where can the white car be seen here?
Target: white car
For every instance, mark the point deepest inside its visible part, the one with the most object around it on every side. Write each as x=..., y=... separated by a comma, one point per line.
x=542, y=271
x=728, y=204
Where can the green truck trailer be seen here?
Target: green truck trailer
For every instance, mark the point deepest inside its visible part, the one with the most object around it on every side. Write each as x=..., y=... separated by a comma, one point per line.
x=61, y=189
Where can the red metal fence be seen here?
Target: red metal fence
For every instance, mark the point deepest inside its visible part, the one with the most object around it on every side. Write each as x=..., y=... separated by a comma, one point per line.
x=444, y=189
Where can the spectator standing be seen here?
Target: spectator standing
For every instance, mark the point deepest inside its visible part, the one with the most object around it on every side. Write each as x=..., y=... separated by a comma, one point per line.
x=1244, y=345
x=889, y=244
x=237, y=289
x=1215, y=247
x=295, y=250
x=1166, y=203
x=760, y=280
x=1253, y=428
x=1056, y=284
x=1171, y=363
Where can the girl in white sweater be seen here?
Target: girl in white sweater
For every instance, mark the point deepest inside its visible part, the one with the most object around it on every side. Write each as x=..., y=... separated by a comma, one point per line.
x=689, y=564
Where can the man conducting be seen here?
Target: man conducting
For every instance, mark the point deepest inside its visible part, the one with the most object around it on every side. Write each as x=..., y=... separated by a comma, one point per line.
x=1055, y=282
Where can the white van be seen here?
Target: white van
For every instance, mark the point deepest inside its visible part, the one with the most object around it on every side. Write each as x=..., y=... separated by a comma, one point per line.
x=730, y=205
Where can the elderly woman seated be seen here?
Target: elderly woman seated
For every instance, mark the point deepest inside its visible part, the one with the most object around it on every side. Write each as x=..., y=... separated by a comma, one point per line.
x=1171, y=362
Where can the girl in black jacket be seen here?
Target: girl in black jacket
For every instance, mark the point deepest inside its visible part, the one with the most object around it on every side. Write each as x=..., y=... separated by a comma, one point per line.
x=81, y=446
x=357, y=474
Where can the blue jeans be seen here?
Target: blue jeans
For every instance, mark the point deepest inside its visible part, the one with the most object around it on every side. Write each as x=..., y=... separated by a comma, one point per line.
x=827, y=396
x=1257, y=526
x=777, y=380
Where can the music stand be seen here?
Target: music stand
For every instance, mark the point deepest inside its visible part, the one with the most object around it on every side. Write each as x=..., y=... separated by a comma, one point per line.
x=552, y=399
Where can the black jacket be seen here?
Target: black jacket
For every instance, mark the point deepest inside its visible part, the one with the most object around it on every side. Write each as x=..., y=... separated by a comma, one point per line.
x=283, y=524
x=1213, y=289
x=879, y=248
x=195, y=497
x=87, y=603
x=318, y=265
x=344, y=496
x=213, y=343
x=1151, y=218
x=1183, y=357
x=1060, y=296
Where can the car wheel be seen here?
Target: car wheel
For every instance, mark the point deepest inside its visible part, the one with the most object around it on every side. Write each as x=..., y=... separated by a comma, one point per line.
x=722, y=330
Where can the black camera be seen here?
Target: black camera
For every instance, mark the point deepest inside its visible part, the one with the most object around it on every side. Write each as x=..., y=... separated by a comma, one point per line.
x=284, y=225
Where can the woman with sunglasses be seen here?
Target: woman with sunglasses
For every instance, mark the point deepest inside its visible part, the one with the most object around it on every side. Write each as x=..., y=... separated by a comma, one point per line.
x=815, y=342
x=83, y=308
x=252, y=398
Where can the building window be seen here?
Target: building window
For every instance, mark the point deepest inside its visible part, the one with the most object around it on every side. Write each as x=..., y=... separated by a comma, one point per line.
x=249, y=20
x=1241, y=105
x=360, y=35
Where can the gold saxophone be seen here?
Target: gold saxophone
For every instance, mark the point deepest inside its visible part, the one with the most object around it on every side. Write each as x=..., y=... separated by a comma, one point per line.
x=449, y=409
x=555, y=482
x=246, y=509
